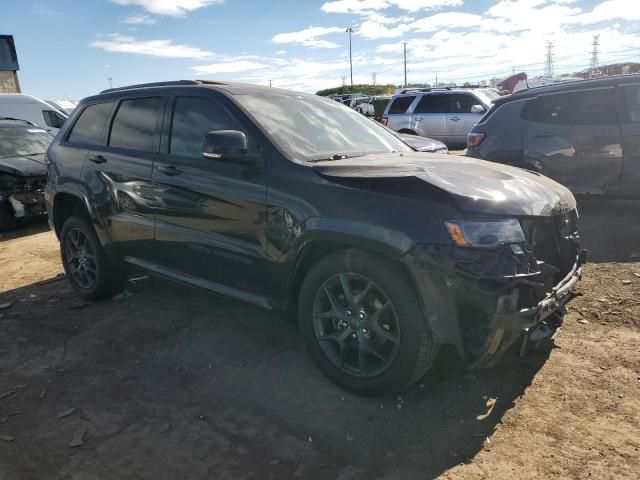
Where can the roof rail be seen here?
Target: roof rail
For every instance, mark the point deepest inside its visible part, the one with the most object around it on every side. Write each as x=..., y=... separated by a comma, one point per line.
x=19, y=120
x=438, y=89
x=174, y=83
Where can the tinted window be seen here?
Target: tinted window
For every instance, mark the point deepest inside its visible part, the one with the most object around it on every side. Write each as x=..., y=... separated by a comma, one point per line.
x=461, y=103
x=432, y=104
x=53, y=119
x=631, y=102
x=88, y=128
x=193, y=117
x=135, y=124
x=587, y=107
x=400, y=105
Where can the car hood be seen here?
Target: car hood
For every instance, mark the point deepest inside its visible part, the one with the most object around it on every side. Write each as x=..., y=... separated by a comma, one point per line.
x=476, y=185
x=422, y=144
x=32, y=165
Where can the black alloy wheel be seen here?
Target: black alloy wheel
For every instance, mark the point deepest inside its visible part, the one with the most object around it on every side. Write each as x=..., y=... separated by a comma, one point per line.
x=80, y=258
x=356, y=325
x=364, y=324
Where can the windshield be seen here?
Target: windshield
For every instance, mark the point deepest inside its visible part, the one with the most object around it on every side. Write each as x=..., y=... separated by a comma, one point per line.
x=487, y=96
x=311, y=128
x=17, y=141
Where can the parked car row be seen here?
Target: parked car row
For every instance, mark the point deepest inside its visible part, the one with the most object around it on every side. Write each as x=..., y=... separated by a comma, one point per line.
x=292, y=202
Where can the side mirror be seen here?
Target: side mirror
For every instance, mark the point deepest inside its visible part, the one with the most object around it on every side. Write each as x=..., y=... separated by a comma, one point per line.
x=229, y=145
x=477, y=109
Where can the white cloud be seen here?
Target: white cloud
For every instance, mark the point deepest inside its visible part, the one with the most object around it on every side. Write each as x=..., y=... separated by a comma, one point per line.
x=367, y=6
x=309, y=37
x=141, y=19
x=174, y=8
x=228, y=67
x=115, y=42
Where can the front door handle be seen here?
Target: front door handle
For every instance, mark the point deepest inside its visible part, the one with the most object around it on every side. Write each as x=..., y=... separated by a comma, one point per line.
x=418, y=119
x=170, y=170
x=454, y=119
x=97, y=159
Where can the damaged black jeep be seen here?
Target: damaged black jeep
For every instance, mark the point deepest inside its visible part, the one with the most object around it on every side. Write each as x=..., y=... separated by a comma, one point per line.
x=22, y=171
x=294, y=202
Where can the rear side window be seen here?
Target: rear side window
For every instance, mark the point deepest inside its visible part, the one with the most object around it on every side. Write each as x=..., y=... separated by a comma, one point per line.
x=586, y=107
x=193, y=117
x=432, y=104
x=461, y=103
x=135, y=124
x=88, y=127
x=631, y=103
x=53, y=118
x=400, y=105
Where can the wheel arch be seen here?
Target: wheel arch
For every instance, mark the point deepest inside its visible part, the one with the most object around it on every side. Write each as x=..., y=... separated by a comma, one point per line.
x=324, y=237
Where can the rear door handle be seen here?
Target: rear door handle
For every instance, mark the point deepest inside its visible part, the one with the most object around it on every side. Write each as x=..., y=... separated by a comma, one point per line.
x=454, y=119
x=170, y=170
x=97, y=159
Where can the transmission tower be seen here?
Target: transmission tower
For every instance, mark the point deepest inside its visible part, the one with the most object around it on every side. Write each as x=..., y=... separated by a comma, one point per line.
x=594, y=53
x=548, y=68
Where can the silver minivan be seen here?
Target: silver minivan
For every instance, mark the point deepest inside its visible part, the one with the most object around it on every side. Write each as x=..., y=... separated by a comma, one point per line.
x=445, y=114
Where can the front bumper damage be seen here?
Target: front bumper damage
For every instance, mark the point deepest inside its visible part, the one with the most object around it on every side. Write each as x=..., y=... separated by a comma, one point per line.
x=483, y=302
x=25, y=196
x=509, y=322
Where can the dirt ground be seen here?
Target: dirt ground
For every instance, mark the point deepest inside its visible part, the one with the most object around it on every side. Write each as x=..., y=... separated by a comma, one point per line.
x=171, y=382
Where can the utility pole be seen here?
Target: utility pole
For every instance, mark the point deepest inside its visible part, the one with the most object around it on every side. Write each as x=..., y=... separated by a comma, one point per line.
x=350, y=31
x=344, y=83
x=594, y=53
x=269, y=83
x=374, y=75
x=436, y=80
x=405, y=63
x=110, y=84
x=548, y=69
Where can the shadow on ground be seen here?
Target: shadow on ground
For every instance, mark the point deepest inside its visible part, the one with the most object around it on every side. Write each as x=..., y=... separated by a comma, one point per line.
x=175, y=383
x=28, y=227
x=609, y=229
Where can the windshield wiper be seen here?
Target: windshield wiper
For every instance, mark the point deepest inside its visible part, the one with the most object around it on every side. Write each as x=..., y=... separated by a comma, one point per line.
x=337, y=156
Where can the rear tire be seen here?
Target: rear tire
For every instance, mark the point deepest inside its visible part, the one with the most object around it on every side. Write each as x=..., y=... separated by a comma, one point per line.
x=87, y=268
x=363, y=323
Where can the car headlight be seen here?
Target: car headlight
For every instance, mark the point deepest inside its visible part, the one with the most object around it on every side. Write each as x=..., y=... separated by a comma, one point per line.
x=484, y=233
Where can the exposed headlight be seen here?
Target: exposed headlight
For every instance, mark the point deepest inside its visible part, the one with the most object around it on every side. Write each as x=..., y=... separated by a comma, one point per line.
x=486, y=233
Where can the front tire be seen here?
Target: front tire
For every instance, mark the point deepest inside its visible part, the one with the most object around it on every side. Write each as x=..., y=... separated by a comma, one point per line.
x=363, y=323
x=87, y=268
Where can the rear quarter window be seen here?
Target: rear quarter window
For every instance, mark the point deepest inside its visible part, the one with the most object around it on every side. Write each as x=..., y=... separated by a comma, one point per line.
x=88, y=128
x=585, y=107
x=400, y=105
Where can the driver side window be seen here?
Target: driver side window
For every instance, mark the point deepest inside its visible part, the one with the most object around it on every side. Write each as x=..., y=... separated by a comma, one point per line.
x=193, y=118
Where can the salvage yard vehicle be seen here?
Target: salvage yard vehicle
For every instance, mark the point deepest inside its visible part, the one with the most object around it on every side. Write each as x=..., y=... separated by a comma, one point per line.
x=583, y=134
x=446, y=114
x=27, y=107
x=423, y=144
x=22, y=171
x=294, y=202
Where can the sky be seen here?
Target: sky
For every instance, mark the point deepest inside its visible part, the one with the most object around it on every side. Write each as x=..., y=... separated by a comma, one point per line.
x=70, y=48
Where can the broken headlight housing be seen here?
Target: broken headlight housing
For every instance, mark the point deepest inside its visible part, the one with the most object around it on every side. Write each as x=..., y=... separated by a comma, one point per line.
x=484, y=233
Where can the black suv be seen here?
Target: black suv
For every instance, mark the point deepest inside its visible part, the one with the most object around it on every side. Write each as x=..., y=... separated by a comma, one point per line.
x=294, y=202
x=584, y=134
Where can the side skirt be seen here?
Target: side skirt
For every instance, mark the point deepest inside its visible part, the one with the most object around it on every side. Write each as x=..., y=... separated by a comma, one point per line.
x=201, y=283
